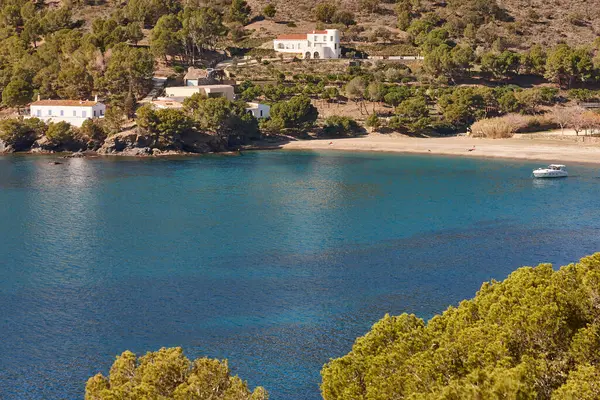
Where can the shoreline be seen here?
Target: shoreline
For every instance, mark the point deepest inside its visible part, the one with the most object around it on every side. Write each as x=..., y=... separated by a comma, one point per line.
x=516, y=148
x=525, y=147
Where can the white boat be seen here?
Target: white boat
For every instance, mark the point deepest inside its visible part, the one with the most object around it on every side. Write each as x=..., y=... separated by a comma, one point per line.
x=552, y=171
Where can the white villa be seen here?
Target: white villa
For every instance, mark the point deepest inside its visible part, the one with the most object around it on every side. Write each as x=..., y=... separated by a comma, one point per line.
x=315, y=44
x=176, y=95
x=75, y=112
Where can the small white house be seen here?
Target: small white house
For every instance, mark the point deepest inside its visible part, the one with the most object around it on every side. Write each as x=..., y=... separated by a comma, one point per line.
x=259, y=110
x=199, y=77
x=208, y=90
x=75, y=112
x=315, y=44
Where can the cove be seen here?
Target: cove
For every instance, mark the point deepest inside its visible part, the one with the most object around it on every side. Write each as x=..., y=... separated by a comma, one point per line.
x=275, y=260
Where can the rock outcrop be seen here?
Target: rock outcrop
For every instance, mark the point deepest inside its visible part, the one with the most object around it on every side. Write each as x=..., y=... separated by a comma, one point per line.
x=5, y=148
x=46, y=145
x=136, y=142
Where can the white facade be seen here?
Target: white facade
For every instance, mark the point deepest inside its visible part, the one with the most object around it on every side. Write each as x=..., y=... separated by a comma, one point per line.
x=72, y=111
x=259, y=110
x=208, y=90
x=315, y=44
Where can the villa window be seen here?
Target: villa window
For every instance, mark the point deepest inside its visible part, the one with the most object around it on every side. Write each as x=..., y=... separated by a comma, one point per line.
x=101, y=112
x=324, y=38
x=74, y=113
x=84, y=114
x=94, y=113
x=331, y=38
x=39, y=113
x=335, y=46
x=261, y=113
x=49, y=112
x=316, y=39
x=62, y=113
x=280, y=46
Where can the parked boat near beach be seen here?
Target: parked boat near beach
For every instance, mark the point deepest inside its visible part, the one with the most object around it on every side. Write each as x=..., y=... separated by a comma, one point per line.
x=552, y=171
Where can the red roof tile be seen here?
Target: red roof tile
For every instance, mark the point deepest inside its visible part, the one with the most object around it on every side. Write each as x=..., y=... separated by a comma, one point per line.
x=65, y=103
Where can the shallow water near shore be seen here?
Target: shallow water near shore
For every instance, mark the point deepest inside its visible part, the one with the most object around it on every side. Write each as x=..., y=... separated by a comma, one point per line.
x=274, y=260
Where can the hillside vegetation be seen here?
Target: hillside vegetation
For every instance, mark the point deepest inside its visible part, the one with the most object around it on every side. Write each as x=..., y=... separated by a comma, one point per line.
x=535, y=335
x=479, y=61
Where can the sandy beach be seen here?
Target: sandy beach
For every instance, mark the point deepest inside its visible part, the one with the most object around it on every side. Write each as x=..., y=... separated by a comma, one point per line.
x=519, y=147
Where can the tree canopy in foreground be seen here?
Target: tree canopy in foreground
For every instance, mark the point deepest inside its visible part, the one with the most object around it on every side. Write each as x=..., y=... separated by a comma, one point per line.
x=535, y=335
x=168, y=374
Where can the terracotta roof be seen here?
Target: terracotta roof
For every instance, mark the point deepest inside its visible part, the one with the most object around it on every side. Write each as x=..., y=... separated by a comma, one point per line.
x=293, y=36
x=65, y=103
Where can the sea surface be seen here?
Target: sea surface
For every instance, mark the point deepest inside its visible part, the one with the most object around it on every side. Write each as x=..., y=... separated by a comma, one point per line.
x=276, y=260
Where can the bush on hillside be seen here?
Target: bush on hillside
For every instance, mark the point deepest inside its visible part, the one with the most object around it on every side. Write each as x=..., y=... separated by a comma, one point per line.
x=64, y=137
x=340, y=126
x=19, y=134
x=94, y=132
x=168, y=374
x=296, y=114
x=535, y=335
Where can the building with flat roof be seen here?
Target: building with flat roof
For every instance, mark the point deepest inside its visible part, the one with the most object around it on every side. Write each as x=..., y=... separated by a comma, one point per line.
x=259, y=110
x=199, y=77
x=208, y=90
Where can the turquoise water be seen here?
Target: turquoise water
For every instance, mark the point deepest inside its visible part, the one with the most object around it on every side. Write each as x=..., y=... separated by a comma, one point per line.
x=274, y=260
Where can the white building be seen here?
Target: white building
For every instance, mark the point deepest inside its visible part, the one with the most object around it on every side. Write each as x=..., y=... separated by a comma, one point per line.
x=199, y=77
x=315, y=44
x=177, y=94
x=259, y=110
x=75, y=112
x=208, y=90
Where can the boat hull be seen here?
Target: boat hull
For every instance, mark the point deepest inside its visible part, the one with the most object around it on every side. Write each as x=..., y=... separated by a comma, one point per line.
x=547, y=174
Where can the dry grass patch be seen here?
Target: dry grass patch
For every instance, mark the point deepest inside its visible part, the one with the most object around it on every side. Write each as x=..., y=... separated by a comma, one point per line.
x=507, y=125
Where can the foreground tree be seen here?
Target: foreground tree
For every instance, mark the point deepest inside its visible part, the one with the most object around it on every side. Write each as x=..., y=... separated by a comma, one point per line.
x=168, y=374
x=533, y=336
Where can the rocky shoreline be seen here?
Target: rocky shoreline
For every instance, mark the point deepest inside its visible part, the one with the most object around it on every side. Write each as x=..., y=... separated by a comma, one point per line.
x=131, y=143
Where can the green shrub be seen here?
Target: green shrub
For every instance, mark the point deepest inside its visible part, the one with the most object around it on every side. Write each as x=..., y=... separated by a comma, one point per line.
x=296, y=114
x=373, y=121
x=61, y=133
x=340, y=126
x=19, y=135
x=584, y=95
